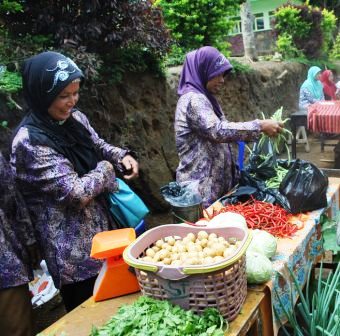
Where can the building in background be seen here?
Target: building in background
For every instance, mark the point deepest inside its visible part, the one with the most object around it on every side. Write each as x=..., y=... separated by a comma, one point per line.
x=263, y=15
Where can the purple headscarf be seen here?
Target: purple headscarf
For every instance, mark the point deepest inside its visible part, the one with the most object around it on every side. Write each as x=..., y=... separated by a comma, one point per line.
x=199, y=67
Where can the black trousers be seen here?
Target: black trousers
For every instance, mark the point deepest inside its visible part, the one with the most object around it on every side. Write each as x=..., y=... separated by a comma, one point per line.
x=16, y=313
x=76, y=293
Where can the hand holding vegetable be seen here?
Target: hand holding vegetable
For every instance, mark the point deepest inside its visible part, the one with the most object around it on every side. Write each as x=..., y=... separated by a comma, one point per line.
x=271, y=127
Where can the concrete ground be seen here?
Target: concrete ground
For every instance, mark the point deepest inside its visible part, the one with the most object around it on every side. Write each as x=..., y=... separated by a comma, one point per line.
x=325, y=159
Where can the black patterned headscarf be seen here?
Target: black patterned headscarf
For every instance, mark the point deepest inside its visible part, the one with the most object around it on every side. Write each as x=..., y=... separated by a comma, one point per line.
x=44, y=76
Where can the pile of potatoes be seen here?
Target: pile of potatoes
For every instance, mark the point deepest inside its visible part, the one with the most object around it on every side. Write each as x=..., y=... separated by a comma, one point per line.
x=200, y=249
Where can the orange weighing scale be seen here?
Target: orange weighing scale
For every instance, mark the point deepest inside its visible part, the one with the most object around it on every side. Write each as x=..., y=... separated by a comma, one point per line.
x=115, y=278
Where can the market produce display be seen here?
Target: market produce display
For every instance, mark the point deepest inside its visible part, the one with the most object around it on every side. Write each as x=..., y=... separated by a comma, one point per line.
x=259, y=268
x=262, y=215
x=263, y=242
x=200, y=249
x=150, y=317
x=208, y=271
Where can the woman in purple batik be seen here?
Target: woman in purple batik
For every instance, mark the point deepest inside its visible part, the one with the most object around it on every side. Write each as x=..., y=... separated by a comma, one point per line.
x=17, y=242
x=64, y=170
x=203, y=134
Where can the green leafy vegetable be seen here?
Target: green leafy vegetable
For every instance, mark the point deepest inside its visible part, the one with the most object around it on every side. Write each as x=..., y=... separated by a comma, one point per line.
x=150, y=317
x=281, y=138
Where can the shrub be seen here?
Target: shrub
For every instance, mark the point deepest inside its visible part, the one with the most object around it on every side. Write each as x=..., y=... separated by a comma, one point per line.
x=94, y=27
x=286, y=47
x=305, y=28
x=335, y=52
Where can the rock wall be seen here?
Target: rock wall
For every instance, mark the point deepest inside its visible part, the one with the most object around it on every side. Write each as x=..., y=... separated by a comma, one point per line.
x=139, y=113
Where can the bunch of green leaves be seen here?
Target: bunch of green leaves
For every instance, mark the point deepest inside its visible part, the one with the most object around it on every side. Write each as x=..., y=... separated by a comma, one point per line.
x=319, y=312
x=281, y=139
x=335, y=52
x=197, y=23
x=151, y=317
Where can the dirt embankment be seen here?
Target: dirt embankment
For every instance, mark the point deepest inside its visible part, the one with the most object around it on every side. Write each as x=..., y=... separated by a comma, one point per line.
x=139, y=114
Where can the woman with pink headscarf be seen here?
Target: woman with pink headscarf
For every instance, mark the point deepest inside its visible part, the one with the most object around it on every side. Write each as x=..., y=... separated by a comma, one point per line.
x=203, y=134
x=329, y=87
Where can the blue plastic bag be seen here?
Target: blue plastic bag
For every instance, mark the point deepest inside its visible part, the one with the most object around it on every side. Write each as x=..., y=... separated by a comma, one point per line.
x=126, y=207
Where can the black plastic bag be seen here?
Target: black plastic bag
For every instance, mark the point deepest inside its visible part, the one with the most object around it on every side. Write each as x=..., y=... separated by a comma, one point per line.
x=262, y=160
x=305, y=187
x=264, y=193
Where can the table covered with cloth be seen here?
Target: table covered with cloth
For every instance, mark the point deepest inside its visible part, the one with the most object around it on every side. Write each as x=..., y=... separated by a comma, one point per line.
x=299, y=253
x=324, y=117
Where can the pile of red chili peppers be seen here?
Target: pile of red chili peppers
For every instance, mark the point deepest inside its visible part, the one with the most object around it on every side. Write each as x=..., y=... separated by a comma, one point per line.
x=264, y=216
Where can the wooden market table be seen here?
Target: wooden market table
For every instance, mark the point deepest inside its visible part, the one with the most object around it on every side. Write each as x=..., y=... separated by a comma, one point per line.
x=79, y=321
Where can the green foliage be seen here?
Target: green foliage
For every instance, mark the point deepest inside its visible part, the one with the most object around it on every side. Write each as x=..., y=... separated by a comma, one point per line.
x=175, y=56
x=316, y=314
x=132, y=59
x=10, y=82
x=288, y=21
x=239, y=67
x=321, y=63
x=286, y=47
x=328, y=25
x=196, y=23
x=335, y=52
x=14, y=49
x=304, y=30
x=8, y=6
x=93, y=33
x=148, y=316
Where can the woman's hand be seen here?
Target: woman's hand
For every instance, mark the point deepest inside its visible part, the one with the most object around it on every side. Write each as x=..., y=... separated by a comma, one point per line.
x=131, y=167
x=271, y=127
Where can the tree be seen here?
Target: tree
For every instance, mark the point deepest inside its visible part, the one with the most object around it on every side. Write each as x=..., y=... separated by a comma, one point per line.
x=247, y=31
x=333, y=5
x=100, y=25
x=194, y=23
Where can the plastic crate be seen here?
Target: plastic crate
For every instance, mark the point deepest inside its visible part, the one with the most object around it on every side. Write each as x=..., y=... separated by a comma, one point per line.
x=221, y=285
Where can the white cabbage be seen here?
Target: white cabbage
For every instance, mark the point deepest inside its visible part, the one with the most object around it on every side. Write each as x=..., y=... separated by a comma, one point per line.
x=263, y=242
x=259, y=268
x=228, y=219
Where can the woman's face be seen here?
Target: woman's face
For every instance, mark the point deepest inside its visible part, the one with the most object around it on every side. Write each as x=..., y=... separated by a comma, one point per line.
x=63, y=104
x=317, y=76
x=214, y=85
x=331, y=76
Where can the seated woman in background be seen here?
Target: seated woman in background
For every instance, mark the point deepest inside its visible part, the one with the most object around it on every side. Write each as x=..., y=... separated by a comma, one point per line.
x=64, y=170
x=203, y=134
x=311, y=90
x=329, y=87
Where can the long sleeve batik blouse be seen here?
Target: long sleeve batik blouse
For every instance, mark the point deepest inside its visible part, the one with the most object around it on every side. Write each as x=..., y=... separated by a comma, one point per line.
x=67, y=210
x=16, y=232
x=203, y=146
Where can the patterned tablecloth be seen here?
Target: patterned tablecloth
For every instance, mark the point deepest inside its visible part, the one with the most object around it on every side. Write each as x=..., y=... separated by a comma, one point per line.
x=324, y=117
x=299, y=253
